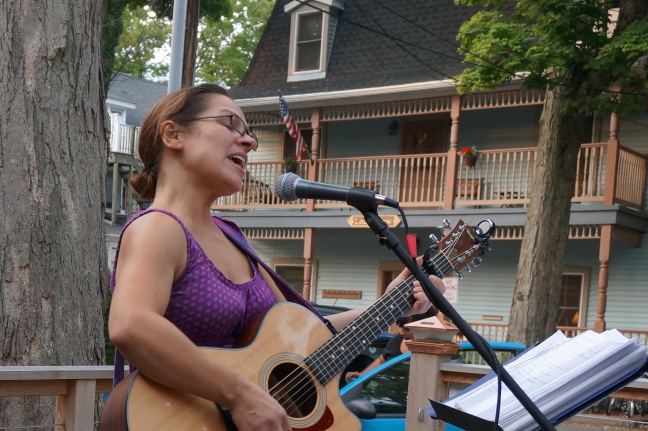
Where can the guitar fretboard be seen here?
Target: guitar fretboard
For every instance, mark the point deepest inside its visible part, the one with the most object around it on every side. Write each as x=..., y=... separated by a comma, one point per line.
x=334, y=355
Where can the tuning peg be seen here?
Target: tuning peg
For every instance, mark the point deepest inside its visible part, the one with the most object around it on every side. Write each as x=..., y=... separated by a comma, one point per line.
x=468, y=267
x=447, y=223
x=459, y=275
x=477, y=261
x=434, y=238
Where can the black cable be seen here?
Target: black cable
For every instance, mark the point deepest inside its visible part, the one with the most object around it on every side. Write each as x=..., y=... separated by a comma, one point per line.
x=355, y=2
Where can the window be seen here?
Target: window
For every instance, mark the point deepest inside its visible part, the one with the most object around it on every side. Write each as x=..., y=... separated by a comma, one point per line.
x=387, y=271
x=292, y=270
x=312, y=30
x=308, y=41
x=387, y=390
x=293, y=274
x=572, y=308
x=289, y=144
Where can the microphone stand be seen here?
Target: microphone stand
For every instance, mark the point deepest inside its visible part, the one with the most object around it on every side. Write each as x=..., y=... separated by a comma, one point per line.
x=364, y=200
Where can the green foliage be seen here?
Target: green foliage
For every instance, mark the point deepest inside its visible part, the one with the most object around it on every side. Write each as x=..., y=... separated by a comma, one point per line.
x=144, y=34
x=112, y=27
x=225, y=47
x=554, y=43
x=212, y=9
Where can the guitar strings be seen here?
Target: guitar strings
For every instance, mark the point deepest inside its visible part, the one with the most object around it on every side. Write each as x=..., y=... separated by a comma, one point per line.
x=303, y=382
x=299, y=386
x=297, y=382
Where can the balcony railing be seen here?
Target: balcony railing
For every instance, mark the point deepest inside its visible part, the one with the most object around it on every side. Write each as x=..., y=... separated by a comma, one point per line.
x=123, y=138
x=500, y=178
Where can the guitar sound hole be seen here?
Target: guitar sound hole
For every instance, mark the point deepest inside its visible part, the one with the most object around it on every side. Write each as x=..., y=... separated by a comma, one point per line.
x=294, y=389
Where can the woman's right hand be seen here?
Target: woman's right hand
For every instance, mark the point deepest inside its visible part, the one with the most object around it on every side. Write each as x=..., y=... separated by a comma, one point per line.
x=255, y=410
x=351, y=375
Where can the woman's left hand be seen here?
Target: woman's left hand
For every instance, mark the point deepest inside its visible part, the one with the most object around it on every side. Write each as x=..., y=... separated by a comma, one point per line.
x=422, y=303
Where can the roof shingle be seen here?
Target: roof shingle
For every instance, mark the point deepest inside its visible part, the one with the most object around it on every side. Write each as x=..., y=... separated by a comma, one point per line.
x=421, y=47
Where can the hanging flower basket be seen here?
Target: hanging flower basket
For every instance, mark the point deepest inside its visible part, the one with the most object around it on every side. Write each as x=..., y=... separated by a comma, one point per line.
x=290, y=164
x=469, y=155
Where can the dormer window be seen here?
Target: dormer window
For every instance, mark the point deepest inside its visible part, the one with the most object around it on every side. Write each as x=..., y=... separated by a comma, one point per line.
x=311, y=37
x=308, y=41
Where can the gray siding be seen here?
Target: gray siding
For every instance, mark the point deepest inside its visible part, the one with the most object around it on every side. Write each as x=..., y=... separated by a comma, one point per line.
x=349, y=259
x=498, y=128
x=361, y=139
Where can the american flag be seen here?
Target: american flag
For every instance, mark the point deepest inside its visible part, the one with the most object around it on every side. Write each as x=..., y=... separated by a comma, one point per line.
x=293, y=129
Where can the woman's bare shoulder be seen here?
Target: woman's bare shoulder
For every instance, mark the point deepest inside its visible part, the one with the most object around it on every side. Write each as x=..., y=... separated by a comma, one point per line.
x=154, y=229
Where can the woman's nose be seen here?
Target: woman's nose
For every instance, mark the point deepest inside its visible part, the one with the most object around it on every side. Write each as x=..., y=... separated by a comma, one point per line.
x=248, y=142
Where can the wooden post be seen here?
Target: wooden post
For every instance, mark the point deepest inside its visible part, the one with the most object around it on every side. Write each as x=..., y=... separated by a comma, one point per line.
x=451, y=172
x=115, y=192
x=76, y=409
x=430, y=348
x=315, y=125
x=309, y=244
x=129, y=192
x=604, y=258
x=190, y=42
x=612, y=162
x=312, y=168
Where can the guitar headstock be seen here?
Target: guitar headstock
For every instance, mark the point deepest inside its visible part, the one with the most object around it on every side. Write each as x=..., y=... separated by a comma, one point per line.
x=460, y=247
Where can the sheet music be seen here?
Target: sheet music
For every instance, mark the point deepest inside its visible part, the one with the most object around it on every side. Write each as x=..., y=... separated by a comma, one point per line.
x=559, y=372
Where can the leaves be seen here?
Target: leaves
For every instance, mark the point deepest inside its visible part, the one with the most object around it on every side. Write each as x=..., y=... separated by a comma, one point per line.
x=144, y=34
x=225, y=48
x=225, y=44
x=554, y=43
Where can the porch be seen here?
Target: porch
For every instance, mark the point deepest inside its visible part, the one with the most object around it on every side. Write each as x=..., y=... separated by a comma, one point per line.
x=500, y=178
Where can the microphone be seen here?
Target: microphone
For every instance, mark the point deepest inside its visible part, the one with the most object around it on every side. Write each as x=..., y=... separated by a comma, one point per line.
x=291, y=187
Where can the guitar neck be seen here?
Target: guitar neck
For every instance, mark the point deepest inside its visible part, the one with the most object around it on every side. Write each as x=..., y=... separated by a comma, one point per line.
x=333, y=356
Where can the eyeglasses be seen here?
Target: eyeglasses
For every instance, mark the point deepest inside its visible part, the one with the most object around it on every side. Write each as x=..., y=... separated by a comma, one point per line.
x=237, y=124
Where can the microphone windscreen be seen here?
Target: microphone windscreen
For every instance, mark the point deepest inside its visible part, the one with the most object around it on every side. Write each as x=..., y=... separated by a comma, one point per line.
x=285, y=186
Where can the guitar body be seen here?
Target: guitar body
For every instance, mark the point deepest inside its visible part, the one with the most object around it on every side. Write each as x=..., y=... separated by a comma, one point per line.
x=274, y=361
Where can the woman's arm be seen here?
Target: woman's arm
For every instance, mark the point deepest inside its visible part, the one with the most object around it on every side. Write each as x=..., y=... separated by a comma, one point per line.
x=153, y=254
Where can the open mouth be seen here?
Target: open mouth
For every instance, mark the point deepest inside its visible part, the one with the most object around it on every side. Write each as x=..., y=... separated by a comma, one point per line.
x=239, y=160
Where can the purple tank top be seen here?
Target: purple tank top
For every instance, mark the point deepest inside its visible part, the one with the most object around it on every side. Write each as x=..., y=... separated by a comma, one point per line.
x=205, y=305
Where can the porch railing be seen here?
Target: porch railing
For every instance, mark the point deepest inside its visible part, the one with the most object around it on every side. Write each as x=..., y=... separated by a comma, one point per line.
x=76, y=387
x=500, y=178
x=493, y=331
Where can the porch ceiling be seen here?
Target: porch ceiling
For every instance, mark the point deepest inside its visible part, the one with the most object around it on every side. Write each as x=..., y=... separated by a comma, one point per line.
x=581, y=215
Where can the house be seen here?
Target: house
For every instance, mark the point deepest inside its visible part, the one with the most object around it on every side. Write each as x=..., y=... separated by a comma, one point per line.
x=128, y=101
x=368, y=83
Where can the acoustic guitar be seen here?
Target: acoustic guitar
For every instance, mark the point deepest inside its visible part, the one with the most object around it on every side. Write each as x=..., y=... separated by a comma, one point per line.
x=292, y=355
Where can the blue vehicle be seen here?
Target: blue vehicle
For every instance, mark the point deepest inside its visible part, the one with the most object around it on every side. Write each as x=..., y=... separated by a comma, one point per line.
x=379, y=397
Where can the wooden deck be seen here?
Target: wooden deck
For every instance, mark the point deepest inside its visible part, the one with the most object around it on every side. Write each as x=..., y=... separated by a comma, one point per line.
x=75, y=389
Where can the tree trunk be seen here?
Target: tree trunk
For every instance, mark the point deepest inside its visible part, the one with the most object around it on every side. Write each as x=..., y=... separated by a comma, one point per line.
x=539, y=274
x=53, y=150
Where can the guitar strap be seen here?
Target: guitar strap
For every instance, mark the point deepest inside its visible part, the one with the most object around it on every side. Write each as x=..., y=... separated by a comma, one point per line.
x=235, y=234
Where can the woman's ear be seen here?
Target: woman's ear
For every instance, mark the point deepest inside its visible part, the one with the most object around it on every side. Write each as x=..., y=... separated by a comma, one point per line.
x=170, y=133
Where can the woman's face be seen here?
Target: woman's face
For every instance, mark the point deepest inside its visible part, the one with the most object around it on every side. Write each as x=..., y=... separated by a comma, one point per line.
x=215, y=152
